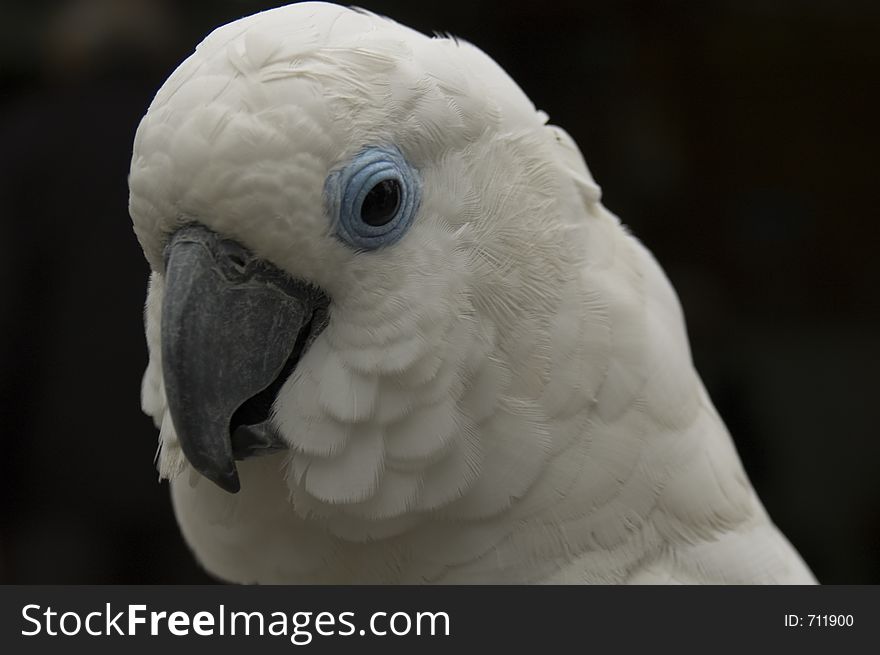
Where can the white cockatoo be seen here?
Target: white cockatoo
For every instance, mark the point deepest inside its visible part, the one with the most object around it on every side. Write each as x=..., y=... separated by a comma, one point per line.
x=395, y=337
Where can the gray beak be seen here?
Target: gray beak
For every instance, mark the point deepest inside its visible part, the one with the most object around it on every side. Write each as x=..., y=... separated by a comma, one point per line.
x=233, y=329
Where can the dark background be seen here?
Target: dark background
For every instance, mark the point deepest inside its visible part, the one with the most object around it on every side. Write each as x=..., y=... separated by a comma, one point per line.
x=738, y=139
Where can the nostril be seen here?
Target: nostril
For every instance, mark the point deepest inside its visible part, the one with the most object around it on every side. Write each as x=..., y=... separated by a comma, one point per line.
x=238, y=261
x=235, y=256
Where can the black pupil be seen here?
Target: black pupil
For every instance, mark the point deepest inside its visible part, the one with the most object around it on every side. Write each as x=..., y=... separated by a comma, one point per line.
x=381, y=203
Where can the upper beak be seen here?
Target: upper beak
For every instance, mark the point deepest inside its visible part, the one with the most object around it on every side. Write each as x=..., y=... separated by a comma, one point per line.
x=233, y=329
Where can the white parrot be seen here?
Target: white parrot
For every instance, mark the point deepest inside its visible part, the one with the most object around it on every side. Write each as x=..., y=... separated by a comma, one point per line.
x=375, y=265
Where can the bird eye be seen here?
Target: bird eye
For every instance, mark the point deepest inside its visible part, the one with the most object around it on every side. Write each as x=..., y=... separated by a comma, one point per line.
x=381, y=203
x=373, y=199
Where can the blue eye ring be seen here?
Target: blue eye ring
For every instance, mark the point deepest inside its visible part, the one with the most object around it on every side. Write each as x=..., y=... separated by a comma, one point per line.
x=346, y=190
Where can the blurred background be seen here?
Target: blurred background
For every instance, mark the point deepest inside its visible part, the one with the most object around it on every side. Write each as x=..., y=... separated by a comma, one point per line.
x=737, y=138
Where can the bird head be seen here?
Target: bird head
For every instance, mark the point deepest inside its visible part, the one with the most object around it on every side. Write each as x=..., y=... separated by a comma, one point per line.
x=361, y=239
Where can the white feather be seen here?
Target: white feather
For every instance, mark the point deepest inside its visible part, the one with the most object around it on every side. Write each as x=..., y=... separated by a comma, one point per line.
x=504, y=395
